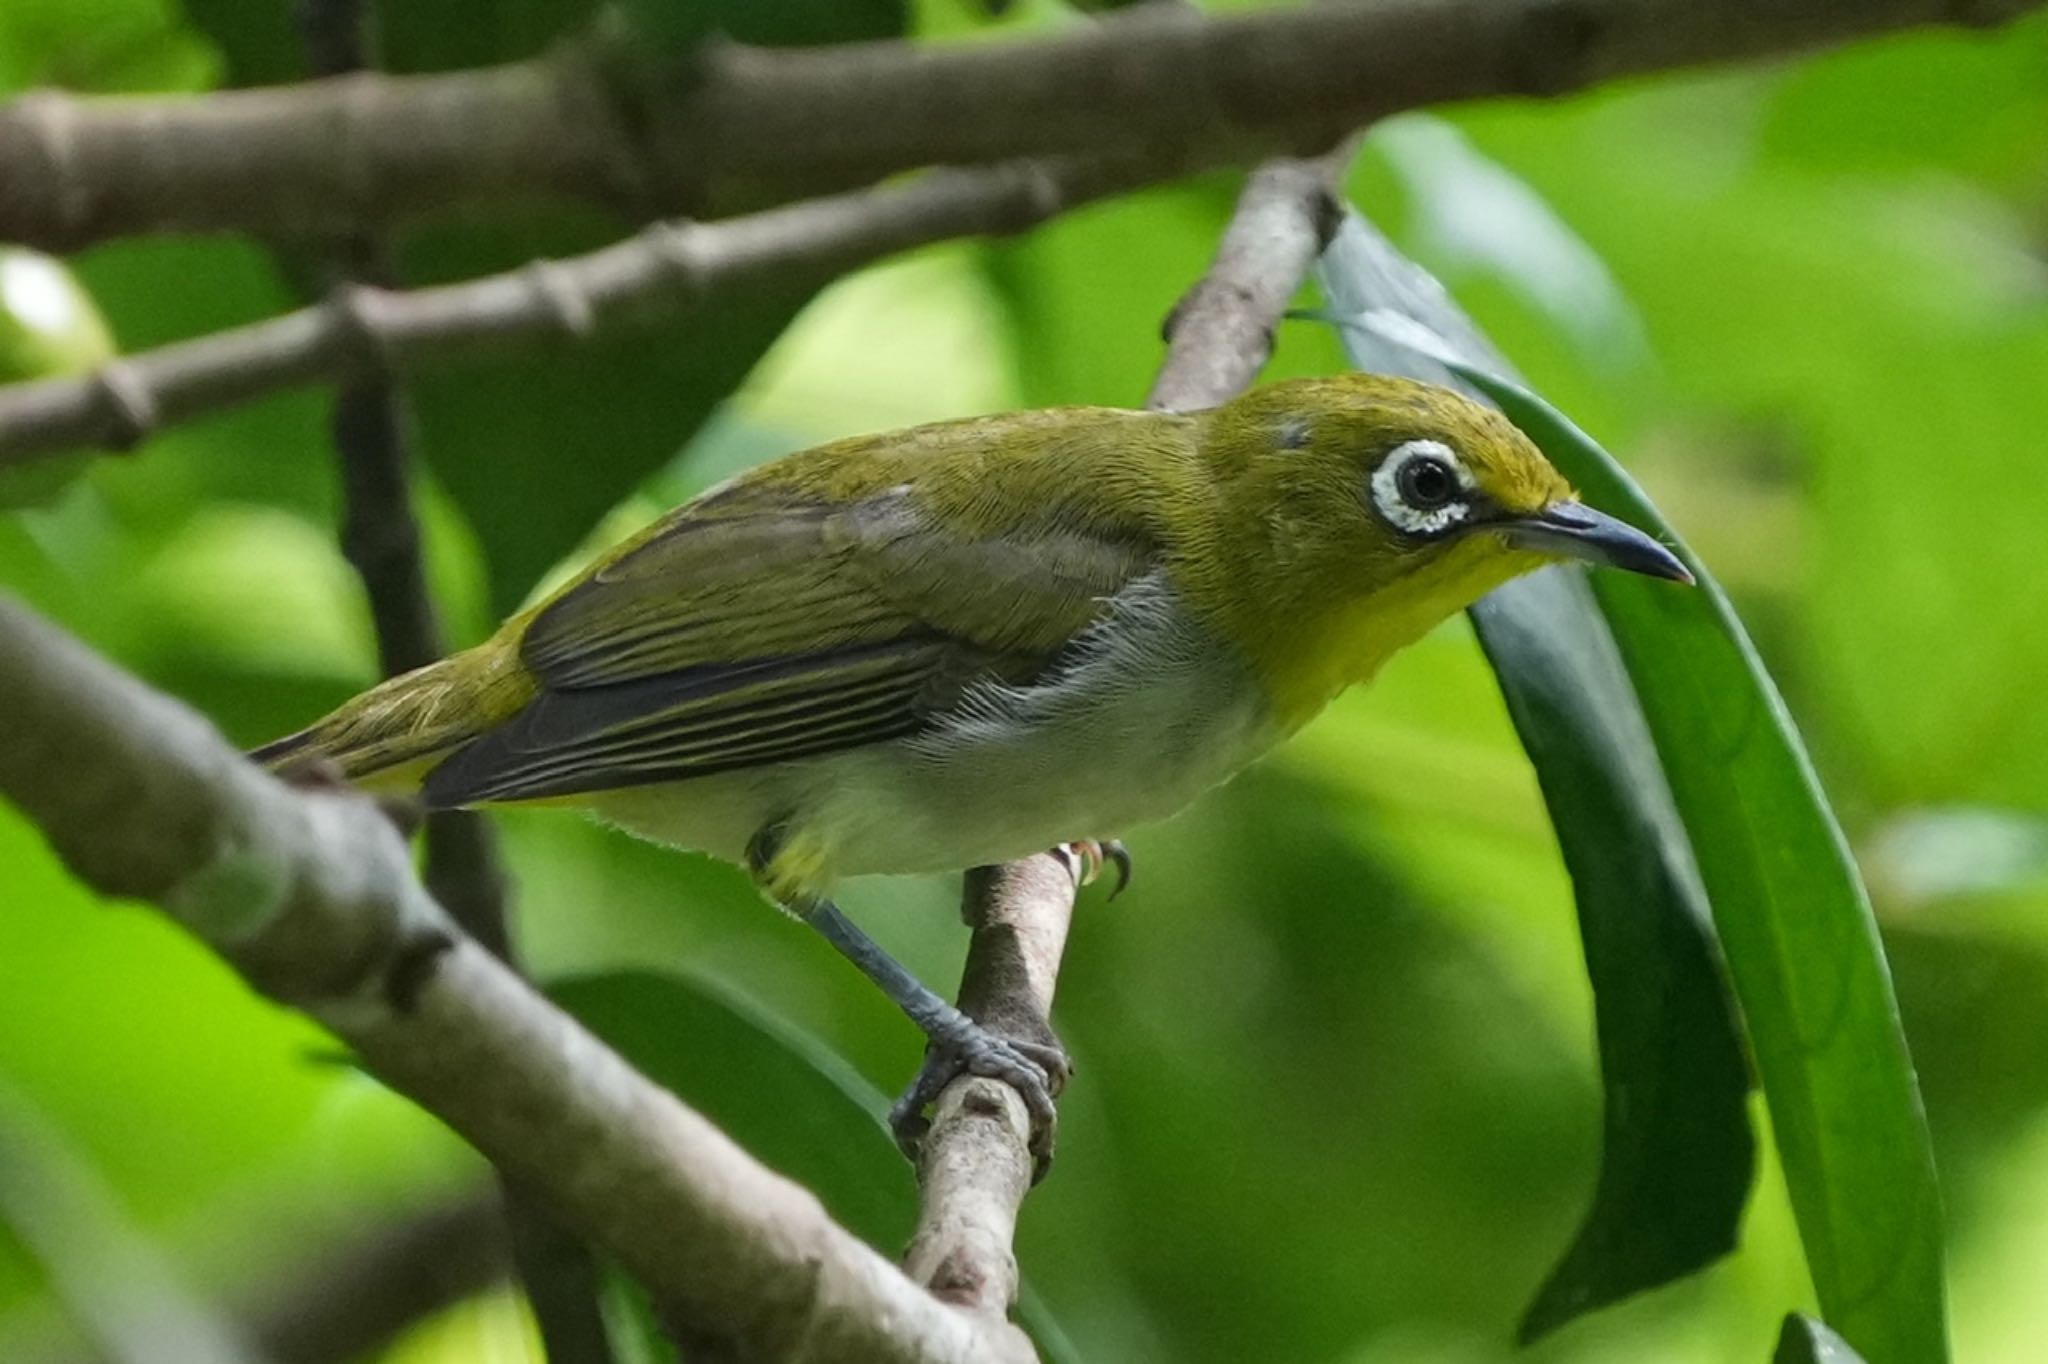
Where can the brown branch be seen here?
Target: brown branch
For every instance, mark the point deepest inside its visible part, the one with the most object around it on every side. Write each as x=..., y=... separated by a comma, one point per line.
x=1220, y=334
x=309, y=893
x=668, y=273
x=975, y=1163
x=604, y=123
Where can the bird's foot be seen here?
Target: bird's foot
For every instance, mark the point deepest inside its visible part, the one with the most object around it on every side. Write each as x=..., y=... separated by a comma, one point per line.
x=1086, y=857
x=960, y=1046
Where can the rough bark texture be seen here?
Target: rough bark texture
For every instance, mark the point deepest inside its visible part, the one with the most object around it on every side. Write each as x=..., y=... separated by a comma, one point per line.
x=603, y=122
x=667, y=272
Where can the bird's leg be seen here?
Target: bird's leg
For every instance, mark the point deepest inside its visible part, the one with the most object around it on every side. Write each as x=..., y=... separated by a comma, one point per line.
x=958, y=1044
x=1085, y=857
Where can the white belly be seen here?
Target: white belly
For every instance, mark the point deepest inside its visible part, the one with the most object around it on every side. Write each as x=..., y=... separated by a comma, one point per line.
x=1151, y=713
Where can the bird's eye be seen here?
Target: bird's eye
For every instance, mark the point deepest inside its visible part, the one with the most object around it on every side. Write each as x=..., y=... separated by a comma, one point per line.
x=1426, y=482
x=1421, y=488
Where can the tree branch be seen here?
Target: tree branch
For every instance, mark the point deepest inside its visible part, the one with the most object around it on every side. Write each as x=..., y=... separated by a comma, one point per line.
x=667, y=273
x=975, y=1163
x=602, y=122
x=310, y=895
x=1220, y=334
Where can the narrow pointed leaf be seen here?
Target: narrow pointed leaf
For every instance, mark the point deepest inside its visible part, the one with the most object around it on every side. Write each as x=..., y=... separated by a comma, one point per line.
x=1796, y=923
x=1806, y=1341
x=1677, y=1154
x=777, y=1091
x=1801, y=943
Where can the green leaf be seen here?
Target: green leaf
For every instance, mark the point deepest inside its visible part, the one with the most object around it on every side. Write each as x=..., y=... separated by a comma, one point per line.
x=100, y=45
x=772, y=1088
x=119, y=1286
x=1801, y=942
x=536, y=451
x=1072, y=287
x=1677, y=1154
x=632, y=1325
x=1806, y=1341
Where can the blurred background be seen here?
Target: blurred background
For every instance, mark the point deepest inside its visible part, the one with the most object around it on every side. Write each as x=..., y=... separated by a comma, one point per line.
x=1336, y=1094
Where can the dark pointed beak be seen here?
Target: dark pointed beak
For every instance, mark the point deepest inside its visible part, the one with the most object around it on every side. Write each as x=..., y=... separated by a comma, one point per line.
x=1573, y=530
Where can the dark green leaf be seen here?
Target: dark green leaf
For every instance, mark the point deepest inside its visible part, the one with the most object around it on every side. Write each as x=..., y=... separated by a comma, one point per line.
x=1806, y=1341
x=534, y=452
x=1801, y=942
x=779, y=1093
x=1677, y=1154
x=258, y=42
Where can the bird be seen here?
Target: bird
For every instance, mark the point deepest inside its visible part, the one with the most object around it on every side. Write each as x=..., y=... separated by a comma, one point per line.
x=960, y=643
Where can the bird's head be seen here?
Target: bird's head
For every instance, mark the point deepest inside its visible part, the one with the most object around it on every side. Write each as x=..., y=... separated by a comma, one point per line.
x=1365, y=509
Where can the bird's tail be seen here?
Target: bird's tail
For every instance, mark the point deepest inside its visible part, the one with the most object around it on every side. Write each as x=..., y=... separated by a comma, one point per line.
x=388, y=738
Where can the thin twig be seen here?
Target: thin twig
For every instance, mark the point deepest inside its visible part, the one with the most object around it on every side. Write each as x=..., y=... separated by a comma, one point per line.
x=665, y=274
x=605, y=122
x=975, y=1163
x=310, y=894
x=1220, y=334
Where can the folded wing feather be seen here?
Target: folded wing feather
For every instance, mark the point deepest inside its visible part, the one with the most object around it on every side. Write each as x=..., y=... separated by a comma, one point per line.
x=760, y=629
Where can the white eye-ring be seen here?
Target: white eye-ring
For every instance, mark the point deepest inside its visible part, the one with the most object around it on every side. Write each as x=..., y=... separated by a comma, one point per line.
x=1420, y=487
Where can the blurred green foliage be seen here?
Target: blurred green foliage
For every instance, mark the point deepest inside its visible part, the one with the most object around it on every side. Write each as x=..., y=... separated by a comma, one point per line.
x=1336, y=1096
x=48, y=326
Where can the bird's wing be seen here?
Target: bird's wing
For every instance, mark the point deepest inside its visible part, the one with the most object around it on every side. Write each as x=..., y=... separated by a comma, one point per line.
x=758, y=626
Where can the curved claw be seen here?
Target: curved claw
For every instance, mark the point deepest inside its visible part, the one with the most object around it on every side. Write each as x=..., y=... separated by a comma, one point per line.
x=1092, y=854
x=1036, y=1070
x=1115, y=851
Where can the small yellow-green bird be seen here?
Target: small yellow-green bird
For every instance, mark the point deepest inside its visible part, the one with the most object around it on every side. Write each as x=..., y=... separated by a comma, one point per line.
x=962, y=643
